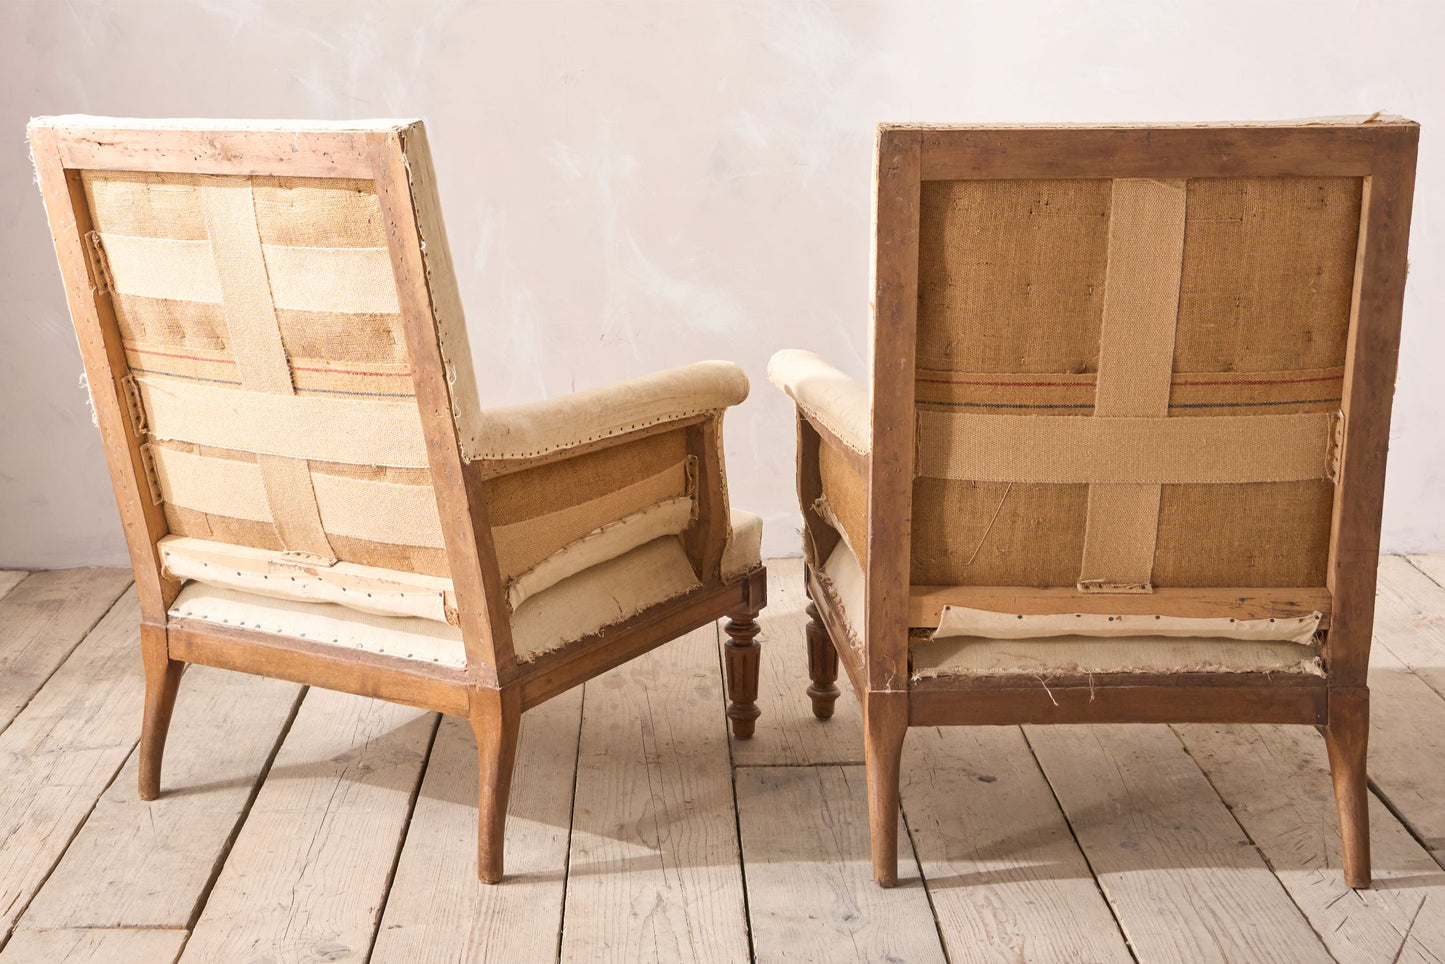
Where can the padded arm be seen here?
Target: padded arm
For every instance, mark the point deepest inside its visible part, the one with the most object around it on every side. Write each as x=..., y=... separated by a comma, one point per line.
x=825, y=395
x=539, y=428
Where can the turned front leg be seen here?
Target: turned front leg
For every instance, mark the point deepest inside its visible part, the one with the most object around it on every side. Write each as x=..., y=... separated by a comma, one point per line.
x=822, y=665
x=742, y=655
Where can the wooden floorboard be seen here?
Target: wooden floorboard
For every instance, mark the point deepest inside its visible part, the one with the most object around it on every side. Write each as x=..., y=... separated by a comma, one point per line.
x=438, y=911
x=1407, y=719
x=1410, y=620
x=811, y=895
x=10, y=578
x=1185, y=882
x=63, y=749
x=1006, y=877
x=147, y=865
x=1276, y=782
x=94, y=946
x=42, y=619
x=640, y=831
x=654, y=872
x=308, y=874
x=1432, y=565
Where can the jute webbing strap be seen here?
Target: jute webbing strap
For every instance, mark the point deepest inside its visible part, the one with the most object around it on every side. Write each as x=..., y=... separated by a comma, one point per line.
x=1141, y=451
x=255, y=341
x=357, y=431
x=1136, y=362
x=390, y=512
x=335, y=280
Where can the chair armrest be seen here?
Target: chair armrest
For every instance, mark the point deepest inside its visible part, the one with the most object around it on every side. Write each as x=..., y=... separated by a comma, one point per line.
x=556, y=424
x=826, y=395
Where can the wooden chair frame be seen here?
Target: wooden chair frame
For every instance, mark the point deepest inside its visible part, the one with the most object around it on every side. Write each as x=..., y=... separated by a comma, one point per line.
x=1383, y=155
x=494, y=688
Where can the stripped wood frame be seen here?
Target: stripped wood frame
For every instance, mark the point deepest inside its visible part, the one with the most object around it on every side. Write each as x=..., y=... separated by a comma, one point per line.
x=494, y=687
x=1383, y=155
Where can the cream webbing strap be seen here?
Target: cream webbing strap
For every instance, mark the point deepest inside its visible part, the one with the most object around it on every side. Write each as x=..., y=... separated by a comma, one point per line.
x=1136, y=362
x=255, y=342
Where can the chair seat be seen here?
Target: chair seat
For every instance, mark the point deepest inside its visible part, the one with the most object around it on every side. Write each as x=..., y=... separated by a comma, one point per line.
x=575, y=607
x=932, y=655
x=1082, y=655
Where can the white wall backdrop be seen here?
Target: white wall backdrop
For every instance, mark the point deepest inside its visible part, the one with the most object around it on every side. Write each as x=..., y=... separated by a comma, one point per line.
x=635, y=185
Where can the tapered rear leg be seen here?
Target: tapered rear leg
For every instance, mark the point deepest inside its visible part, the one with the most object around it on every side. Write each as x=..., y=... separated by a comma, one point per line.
x=1347, y=738
x=496, y=718
x=741, y=655
x=885, y=723
x=822, y=665
x=163, y=681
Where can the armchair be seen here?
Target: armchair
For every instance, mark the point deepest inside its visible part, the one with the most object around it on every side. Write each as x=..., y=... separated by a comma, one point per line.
x=280, y=372
x=1123, y=455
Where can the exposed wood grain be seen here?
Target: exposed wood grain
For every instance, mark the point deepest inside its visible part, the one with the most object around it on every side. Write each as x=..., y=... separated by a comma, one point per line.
x=811, y=895
x=1119, y=698
x=62, y=751
x=654, y=872
x=787, y=732
x=1184, y=882
x=1276, y=781
x=890, y=479
x=42, y=619
x=1160, y=151
x=437, y=910
x=94, y=947
x=1371, y=357
x=288, y=153
x=885, y=723
x=309, y=871
x=98, y=334
x=147, y=864
x=9, y=578
x=1007, y=879
x=427, y=291
x=413, y=682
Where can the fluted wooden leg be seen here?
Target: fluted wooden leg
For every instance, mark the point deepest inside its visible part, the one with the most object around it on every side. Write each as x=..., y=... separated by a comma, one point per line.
x=1347, y=738
x=496, y=718
x=742, y=655
x=885, y=722
x=163, y=681
x=822, y=665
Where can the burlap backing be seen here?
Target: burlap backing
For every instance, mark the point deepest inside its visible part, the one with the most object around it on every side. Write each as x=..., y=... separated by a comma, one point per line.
x=537, y=511
x=1012, y=277
x=173, y=280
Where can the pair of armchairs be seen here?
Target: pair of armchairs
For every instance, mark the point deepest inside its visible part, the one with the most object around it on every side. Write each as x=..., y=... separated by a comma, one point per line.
x=1122, y=458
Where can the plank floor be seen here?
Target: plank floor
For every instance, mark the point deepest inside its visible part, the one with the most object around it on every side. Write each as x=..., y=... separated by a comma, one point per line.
x=298, y=825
